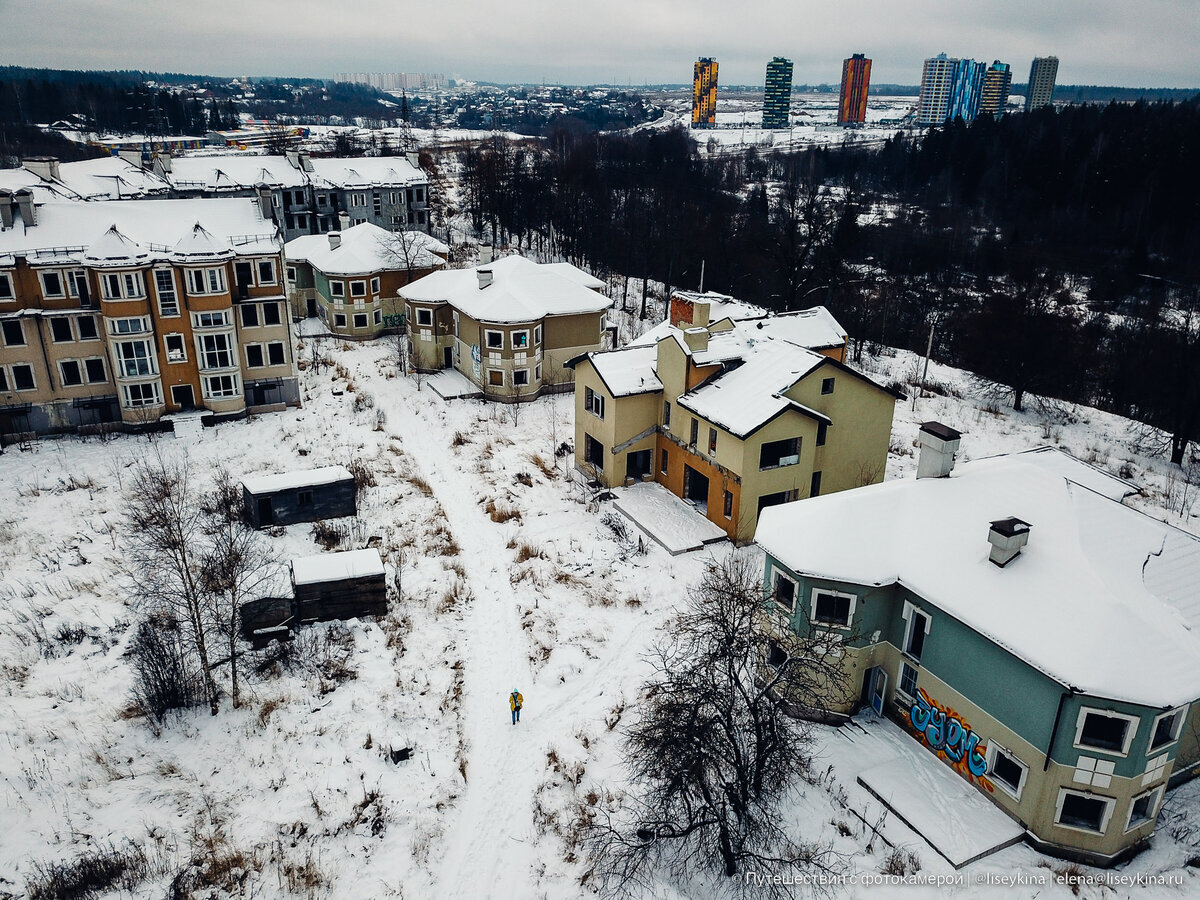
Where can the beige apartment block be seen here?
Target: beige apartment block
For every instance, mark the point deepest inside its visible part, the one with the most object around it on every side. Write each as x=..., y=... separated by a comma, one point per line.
x=122, y=311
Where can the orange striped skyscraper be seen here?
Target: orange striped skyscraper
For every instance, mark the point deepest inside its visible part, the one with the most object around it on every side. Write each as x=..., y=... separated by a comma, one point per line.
x=856, y=80
x=704, y=92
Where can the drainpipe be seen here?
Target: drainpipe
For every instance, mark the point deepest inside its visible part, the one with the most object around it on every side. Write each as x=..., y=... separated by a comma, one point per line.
x=37, y=324
x=1057, y=719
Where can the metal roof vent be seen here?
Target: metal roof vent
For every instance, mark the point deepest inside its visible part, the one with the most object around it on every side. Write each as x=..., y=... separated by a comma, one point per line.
x=1007, y=537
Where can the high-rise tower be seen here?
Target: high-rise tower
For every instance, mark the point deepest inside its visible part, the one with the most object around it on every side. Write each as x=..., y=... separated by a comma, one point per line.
x=777, y=96
x=856, y=81
x=704, y=92
x=950, y=89
x=1040, y=91
x=937, y=76
x=996, y=82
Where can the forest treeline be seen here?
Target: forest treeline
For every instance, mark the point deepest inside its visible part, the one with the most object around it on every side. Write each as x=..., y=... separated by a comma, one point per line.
x=1053, y=252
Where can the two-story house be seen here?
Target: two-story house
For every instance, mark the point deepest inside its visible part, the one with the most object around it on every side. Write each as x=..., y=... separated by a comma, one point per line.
x=733, y=416
x=350, y=278
x=511, y=326
x=1018, y=620
x=124, y=310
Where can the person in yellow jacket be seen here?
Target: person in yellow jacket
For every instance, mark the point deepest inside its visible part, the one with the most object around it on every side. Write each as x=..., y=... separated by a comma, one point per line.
x=514, y=703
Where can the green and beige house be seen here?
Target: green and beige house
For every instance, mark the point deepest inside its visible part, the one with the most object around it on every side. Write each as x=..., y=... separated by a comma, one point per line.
x=350, y=278
x=1020, y=621
x=510, y=325
x=733, y=416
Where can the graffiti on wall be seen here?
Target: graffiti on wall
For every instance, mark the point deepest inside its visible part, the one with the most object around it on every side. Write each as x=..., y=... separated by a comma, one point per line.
x=949, y=736
x=393, y=321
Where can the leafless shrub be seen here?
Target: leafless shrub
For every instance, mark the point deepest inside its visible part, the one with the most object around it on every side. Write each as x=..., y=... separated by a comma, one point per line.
x=421, y=485
x=268, y=707
x=364, y=476
x=544, y=467
x=364, y=400
x=901, y=861
x=330, y=533
x=459, y=440
x=104, y=869
x=164, y=678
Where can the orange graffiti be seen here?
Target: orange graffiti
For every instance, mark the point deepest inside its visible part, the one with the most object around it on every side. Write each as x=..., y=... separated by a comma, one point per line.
x=951, y=737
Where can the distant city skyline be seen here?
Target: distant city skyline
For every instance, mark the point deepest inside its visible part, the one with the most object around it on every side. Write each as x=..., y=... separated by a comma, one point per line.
x=1148, y=44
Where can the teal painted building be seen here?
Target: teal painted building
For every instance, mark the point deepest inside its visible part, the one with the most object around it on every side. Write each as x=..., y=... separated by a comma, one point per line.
x=1019, y=621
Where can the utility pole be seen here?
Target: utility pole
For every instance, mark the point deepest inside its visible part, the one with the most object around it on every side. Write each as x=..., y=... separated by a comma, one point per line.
x=925, y=369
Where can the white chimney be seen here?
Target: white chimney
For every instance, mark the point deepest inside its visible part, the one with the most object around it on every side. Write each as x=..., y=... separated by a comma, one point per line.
x=485, y=254
x=43, y=166
x=24, y=200
x=938, y=443
x=343, y=220
x=414, y=159
x=701, y=310
x=697, y=339
x=485, y=277
x=6, y=210
x=335, y=239
x=1007, y=537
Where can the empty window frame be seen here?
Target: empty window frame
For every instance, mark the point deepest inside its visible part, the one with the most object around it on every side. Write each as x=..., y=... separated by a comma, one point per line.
x=86, y=325
x=908, y=682
x=266, y=271
x=176, y=348
x=1144, y=808
x=52, y=285
x=593, y=403
x=915, y=632
x=826, y=385
x=270, y=314
x=494, y=340
x=425, y=317
x=205, y=281
x=14, y=332
x=360, y=320
x=1085, y=812
x=70, y=372
x=1006, y=770
x=783, y=590
x=1166, y=728
x=834, y=609
x=6, y=287
x=520, y=377
x=1104, y=730
x=776, y=454
x=60, y=330
x=249, y=315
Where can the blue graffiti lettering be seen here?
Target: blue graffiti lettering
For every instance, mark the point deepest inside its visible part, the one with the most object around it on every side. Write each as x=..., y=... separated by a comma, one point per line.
x=944, y=732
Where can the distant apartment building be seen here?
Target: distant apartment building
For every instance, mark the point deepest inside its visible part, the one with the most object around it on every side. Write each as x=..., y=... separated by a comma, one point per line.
x=121, y=311
x=996, y=82
x=856, y=82
x=704, y=92
x=1040, y=90
x=777, y=95
x=950, y=89
x=394, y=81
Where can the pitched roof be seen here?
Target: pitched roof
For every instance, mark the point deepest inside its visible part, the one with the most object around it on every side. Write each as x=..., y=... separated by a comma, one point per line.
x=1103, y=599
x=367, y=248
x=627, y=372
x=65, y=230
x=233, y=173
x=520, y=291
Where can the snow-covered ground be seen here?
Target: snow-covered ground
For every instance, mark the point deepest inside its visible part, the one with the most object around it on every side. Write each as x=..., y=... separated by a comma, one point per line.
x=509, y=579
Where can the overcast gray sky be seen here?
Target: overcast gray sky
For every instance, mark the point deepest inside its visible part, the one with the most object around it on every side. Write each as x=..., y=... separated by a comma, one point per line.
x=1137, y=43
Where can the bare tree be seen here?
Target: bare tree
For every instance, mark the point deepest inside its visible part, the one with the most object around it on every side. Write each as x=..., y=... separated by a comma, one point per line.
x=235, y=565
x=165, y=535
x=715, y=752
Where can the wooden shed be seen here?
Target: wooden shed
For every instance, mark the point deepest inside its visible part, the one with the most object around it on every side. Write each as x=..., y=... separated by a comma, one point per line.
x=339, y=586
x=292, y=497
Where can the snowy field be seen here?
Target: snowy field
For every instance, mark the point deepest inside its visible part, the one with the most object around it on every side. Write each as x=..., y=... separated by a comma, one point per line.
x=509, y=579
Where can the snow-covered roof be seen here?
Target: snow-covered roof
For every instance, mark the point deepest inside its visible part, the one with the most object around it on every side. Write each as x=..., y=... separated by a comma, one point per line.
x=110, y=178
x=286, y=481
x=135, y=229
x=336, y=566
x=1103, y=599
x=815, y=328
x=629, y=371
x=233, y=173
x=722, y=306
x=199, y=245
x=520, y=291
x=43, y=191
x=367, y=248
x=750, y=395
x=367, y=171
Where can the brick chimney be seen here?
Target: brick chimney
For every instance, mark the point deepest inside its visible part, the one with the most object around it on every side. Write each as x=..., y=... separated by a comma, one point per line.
x=938, y=443
x=1007, y=537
